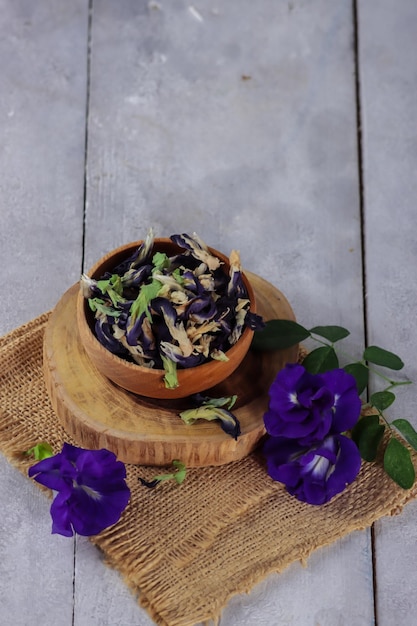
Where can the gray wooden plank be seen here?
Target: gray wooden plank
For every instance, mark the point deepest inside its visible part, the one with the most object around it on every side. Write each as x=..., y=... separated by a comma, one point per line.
x=42, y=134
x=42, y=108
x=36, y=568
x=236, y=121
x=388, y=52
x=101, y=595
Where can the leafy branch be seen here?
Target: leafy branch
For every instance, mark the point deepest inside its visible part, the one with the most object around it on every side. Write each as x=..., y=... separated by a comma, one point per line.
x=368, y=434
x=178, y=475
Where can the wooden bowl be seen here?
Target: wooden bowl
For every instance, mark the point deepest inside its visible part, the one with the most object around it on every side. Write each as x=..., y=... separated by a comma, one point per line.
x=146, y=381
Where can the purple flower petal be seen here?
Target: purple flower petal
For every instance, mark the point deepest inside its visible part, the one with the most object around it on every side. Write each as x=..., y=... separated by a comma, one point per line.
x=201, y=309
x=312, y=427
x=300, y=406
x=289, y=377
x=92, y=491
x=347, y=466
x=90, y=512
x=104, y=334
x=347, y=403
x=55, y=472
x=174, y=353
x=99, y=469
x=71, y=453
x=135, y=277
x=280, y=453
x=185, y=241
x=134, y=329
x=313, y=474
x=61, y=514
x=254, y=321
x=308, y=407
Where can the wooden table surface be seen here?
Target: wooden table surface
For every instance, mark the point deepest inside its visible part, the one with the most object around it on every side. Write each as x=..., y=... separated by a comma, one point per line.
x=286, y=129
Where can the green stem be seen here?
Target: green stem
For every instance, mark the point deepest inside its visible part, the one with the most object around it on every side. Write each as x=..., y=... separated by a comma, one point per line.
x=398, y=384
x=324, y=343
x=368, y=405
x=384, y=419
x=392, y=383
x=331, y=345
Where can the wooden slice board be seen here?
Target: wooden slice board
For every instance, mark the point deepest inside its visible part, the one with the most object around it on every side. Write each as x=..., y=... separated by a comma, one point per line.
x=99, y=414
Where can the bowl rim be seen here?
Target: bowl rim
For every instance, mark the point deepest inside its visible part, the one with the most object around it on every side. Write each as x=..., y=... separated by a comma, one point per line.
x=82, y=310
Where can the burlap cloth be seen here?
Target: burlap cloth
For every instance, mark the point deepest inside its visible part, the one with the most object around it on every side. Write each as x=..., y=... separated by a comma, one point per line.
x=184, y=550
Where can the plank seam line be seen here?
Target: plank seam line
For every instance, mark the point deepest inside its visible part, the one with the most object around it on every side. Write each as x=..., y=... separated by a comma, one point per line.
x=358, y=94
x=361, y=182
x=87, y=115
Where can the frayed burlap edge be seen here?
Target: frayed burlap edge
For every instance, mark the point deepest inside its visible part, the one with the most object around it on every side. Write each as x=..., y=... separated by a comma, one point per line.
x=184, y=551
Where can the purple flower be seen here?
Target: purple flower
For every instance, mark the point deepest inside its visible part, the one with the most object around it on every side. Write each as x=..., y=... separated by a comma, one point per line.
x=201, y=309
x=313, y=474
x=347, y=403
x=307, y=407
x=91, y=486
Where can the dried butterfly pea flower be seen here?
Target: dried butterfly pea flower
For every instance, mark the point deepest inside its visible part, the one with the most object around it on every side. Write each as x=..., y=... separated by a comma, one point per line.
x=105, y=335
x=198, y=249
x=174, y=353
x=139, y=257
x=134, y=277
x=164, y=310
x=213, y=409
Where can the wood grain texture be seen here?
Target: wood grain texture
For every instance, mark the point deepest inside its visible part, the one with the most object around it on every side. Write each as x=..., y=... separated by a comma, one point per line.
x=180, y=141
x=238, y=121
x=99, y=414
x=389, y=93
x=43, y=49
x=42, y=138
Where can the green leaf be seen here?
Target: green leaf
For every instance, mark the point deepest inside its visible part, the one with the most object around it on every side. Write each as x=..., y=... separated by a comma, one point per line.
x=381, y=400
x=398, y=464
x=170, y=367
x=321, y=360
x=41, y=451
x=360, y=373
x=367, y=435
x=160, y=261
x=145, y=296
x=363, y=423
x=278, y=335
x=370, y=440
x=178, y=276
x=178, y=475
x=382, y=357
x=231, y=401
x=113, y=287
x=407, y=431
x=331, y=333
x=98, y=304
x=181, y=471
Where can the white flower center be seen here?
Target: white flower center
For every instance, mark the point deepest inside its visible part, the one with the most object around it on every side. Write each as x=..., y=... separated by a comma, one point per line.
x=94, y=495
x=293, y=398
